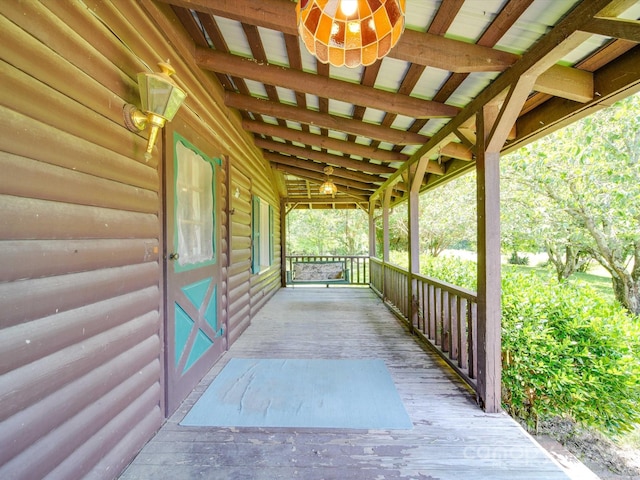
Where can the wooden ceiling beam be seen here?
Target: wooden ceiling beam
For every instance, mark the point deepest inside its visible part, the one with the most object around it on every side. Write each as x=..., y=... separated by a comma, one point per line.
x=323, y=157
x=328, y=143
x=332, y=122
x=319, y=168
x=336, y=160
x=570, y=83
x=324, y=201
x=563, y=38
x=319, y=178
x=552, y=83
x=415, y=47
x=296, y=80
x=615, y=27
x=453, y=149
x=614, y=81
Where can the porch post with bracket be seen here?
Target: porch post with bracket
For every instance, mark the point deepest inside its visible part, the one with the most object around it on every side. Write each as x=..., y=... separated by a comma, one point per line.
x=489, y=284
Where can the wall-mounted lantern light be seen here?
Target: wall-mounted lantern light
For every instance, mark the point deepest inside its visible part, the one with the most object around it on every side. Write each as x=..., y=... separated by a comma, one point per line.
x=160, y=99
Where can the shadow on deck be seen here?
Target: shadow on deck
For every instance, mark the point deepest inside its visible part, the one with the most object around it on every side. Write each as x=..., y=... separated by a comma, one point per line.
x=451, y=438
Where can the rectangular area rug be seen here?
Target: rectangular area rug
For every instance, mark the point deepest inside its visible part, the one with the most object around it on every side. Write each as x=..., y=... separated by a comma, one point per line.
x=342, y=394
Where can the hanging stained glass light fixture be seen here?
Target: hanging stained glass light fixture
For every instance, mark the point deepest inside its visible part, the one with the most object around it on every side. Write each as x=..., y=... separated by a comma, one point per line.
x=350, y=32
x=328, y=187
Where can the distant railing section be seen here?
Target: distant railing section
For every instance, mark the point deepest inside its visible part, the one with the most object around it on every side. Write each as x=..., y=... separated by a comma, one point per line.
x=358, y=265
x=442, y=314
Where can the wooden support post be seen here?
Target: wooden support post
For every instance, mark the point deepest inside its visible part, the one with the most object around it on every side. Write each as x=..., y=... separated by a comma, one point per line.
x=386, y=203
x=414, y=237
x=283, y=243
x=385, y=224
x=372, y=228
x=489, y=322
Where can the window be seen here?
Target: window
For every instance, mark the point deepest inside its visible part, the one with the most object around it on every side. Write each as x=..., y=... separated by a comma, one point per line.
x=262, y=233
x=194, y=208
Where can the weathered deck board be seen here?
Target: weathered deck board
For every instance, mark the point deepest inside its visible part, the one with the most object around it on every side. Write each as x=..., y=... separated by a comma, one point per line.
x=451, y=439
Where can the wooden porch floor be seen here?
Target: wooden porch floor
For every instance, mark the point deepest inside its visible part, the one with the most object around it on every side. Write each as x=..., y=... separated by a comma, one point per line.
x=451, y=439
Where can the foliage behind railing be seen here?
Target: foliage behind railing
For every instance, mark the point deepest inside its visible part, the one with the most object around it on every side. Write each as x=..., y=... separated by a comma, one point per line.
x=444, y=315
x=358, y=265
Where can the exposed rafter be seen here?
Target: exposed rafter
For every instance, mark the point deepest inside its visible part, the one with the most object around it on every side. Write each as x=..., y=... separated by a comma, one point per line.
x=322, y=86
x=332, y=122
x=414, y=47
x=377, y=124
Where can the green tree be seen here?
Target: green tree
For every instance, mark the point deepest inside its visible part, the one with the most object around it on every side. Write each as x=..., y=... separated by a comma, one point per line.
x=448, y=215
x=589, y=173
x=531, y=222
x=327, y=232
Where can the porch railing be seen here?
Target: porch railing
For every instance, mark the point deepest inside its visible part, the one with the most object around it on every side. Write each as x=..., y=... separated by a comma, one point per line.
x=358, y=265
x=442, y=314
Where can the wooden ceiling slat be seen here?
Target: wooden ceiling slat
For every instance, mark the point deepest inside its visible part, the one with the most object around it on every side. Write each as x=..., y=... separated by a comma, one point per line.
x=292, y=44
x=190, y=25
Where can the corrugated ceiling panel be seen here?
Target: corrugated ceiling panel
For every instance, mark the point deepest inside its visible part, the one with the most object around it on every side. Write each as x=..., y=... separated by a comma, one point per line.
x=287, y=96
x=312, y=101
x=533, y=24
x=430, y=83
x=274, y=46
x=584, y=50
x=347, y=74
x=234, y=36
x=339, y=108
x=402, y=123
x=391, y=74
x=470, y=88
x=473, y=19
x=373, y=115
x=256, y=88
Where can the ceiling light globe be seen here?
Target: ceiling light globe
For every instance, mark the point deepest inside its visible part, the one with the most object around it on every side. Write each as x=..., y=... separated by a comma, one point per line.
x=350, y=33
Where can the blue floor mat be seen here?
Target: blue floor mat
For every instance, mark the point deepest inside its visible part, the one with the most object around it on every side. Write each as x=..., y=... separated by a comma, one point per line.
x=349, y=394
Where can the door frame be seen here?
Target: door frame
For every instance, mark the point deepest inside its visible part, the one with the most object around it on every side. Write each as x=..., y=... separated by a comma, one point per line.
x=179, y=383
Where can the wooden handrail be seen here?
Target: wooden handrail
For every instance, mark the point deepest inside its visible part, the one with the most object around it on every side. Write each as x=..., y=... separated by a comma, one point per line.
x=442, y=314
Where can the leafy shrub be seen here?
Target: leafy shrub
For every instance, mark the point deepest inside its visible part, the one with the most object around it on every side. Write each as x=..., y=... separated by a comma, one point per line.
x=568, y=352
x=450, y=269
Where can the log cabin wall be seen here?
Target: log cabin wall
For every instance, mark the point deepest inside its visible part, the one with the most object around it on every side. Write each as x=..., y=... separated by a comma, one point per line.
x=81, y=232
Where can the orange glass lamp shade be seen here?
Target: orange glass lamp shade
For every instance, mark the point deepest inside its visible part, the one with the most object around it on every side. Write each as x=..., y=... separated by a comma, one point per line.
x=350, y=32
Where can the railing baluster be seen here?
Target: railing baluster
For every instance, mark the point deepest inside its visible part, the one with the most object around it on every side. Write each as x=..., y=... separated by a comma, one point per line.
x=454, y=336
x=447, y=315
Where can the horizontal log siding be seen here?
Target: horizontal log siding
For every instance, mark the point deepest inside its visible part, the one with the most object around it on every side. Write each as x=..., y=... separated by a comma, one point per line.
x=240, y=264
x=81, y=283
x=80, y=278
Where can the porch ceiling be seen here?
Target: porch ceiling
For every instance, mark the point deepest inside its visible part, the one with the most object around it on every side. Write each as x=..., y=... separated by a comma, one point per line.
x=375, y=124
